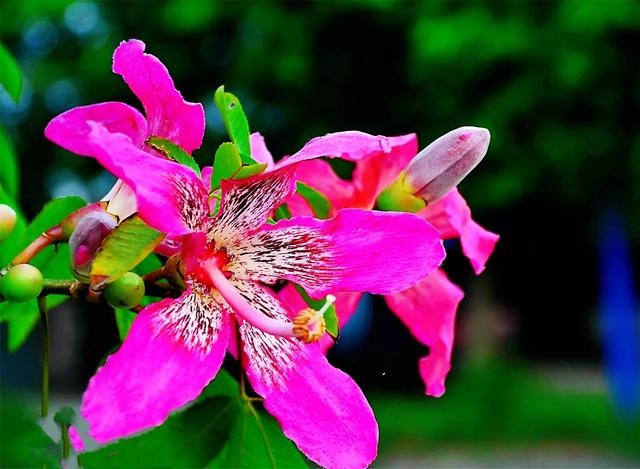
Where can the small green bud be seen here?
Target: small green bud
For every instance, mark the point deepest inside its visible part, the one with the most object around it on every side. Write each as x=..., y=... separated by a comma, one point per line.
x=7, y=221
x=21, y=283
x=126, y=292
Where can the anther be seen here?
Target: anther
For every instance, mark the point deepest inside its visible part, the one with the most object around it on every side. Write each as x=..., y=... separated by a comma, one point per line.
x=309, y=325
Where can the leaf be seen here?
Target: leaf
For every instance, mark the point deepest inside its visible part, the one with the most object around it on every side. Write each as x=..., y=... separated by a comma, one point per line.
x=330, y=316
x=124, y=319
x=225, y=164
x=123, y=249
x=318, y=202
x=283, y=212
x=10, y=74
x=9, y=176
x=190, y=438
x=257, y=441
x=173, y=152
x=250, y=170
x=23, y=442
x=235, y=122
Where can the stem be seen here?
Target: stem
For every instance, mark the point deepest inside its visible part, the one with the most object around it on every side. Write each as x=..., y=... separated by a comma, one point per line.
x=52, y=235
x=78, y=289
x=44, y=321
x=66, y=442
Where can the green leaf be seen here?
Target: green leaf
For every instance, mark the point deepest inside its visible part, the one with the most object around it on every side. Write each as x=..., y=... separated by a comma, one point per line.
x=250, y=170
x=9, y=176
x=235, y=122
x=125, y=247
x=173, y=152
x=227, y=162
x=283, y=212
x=318, y=202
x=190, y=438
x=124, y=319
x=330, y=316
x=51, y=215
x=257, y=441
x=10, y=74
x=23, y=442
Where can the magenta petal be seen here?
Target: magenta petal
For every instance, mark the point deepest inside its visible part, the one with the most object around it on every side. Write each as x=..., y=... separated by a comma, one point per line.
x=70, y=129
x=318, y=406
x=350, y=145
x=428, y=309
x=75, y=439
x=246, y=203
x=168, y=114
x=319, y=175
x=452, y=217
x=170, y=196
x=259, y=150
x=165, y=362
x=328, y=256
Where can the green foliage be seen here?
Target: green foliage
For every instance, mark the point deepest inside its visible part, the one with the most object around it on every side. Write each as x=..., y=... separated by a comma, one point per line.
x=318, y=202
x=173, y=152
x=227, y=162
x=235, y=122
x=257, y=441
x=10, y=75
x=250, y=170
x=23, y=442
x=125, y=247
x=64, y=415
x=9, y=176
x=330, y=316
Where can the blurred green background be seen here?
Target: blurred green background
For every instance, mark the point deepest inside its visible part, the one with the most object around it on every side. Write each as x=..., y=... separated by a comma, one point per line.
x=558, y=85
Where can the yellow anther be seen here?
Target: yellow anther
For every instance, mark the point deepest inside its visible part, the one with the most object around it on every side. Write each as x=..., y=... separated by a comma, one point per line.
x=308, y=326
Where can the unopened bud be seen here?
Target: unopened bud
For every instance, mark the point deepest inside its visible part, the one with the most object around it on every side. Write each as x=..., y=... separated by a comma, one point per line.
x=87, y=238
x=444, y=163
x=7, y=221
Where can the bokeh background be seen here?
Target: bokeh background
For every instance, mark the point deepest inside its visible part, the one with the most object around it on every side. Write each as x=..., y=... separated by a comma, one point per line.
x=547, y=364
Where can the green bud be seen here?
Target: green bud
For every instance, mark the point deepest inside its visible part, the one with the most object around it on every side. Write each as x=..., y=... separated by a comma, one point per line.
x=21, y=283
x=7, y=221
x=126, y=292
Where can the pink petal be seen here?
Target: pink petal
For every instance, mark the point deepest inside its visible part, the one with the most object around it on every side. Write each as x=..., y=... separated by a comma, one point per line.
x=318, y=406
x=168, y=114
x=173, y=350
x=259, y=150
x=75, y=439
x=452, y=217
x=357, y=250
x=71, y=129
x=246, y=204
x=319, y=175
x=428, y=309
x=350, y=145
x=170, y=196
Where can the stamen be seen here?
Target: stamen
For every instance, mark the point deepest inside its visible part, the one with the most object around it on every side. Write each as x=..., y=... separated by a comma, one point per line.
x=243, y=308
x=309, y=325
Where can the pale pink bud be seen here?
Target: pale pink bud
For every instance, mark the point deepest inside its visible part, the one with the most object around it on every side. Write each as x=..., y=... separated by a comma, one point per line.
x=441, y=166
x=87, y=238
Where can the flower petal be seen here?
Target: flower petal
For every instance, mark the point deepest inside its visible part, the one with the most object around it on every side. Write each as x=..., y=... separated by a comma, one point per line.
x=357, y=250
x=452, y=217
x=428, y=309
x=168, y=114
x=318, y=406
x=350, y=145
x=173, y=350
x=71, y=129
x=259, y=150
x=246, y=204
x=170, y=196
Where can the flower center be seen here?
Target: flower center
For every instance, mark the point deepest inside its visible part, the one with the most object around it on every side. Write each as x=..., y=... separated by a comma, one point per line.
x=309, y=325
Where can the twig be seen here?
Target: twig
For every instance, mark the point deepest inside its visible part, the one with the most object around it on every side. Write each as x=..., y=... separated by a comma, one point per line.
x=44, y=321
x=52, y=235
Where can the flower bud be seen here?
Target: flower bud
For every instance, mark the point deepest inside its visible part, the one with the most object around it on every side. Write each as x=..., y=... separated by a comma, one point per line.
x=438, y=168
x=125, y=292
x=121, y=200
x=7, y=221
x=87, y=238
x=21, y=283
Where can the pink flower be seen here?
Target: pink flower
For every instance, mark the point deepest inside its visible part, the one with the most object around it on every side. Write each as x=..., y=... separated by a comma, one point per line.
x=168, y=115
x=428, y=308
x=176, y=346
